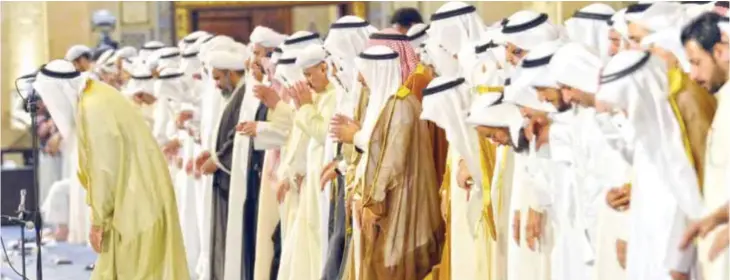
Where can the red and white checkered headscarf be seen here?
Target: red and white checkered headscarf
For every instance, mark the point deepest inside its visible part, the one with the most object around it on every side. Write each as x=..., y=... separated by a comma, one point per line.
x=408, y=57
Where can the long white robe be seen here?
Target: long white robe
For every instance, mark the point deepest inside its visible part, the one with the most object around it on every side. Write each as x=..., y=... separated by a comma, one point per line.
x=293, y=164
x=716, y=180
x=302, y=253
x=211, y=109
x=79, y=220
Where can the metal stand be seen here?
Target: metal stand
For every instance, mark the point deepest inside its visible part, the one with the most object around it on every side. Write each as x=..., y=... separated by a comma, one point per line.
x=32, y=103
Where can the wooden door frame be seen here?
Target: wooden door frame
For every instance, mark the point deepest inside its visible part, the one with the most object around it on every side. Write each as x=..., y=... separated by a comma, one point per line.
x=183, y=10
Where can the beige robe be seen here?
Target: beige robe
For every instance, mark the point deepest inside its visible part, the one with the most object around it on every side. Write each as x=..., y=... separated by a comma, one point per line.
x=129, y=190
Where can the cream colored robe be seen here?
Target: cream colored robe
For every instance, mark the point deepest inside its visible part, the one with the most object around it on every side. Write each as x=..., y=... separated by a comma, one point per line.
x=129, y=190
x=302, y=253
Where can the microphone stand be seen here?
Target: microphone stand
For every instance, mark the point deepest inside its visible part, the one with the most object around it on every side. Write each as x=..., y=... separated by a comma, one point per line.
x=35, y=212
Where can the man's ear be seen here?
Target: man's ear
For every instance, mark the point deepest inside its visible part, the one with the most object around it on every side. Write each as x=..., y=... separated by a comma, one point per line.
x=721, y=53
x=323, y=66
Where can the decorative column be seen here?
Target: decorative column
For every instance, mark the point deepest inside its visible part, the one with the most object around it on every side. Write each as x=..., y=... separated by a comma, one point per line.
x=24, y=49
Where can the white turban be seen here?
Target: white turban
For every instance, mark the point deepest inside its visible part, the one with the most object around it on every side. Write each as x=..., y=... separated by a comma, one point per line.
x=456, y=25
x=287, y=72
x=226, y=60
x=576, y=66
x=669, y=40
x=589, y=26
x=192, y=38
x=300, y=40
x=140, y=80
x=77, y=51
x=60, y=86
x=417, y=34
x=506, y=115
x=311, y=56
x=380, y=67
x=528, y=29
x=266, y=37
x=217, y=43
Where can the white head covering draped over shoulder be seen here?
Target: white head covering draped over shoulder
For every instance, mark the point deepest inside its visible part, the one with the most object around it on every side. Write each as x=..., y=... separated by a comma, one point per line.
x=505, y=115
x=266, y=37
x=347, y=38
x=669, y=39
x=172, y=83
x=619, y=24
x=589, y=26
x=165, y=58
x=77, y=51
x=417, y=34
x=140, y=80
x=487, y=69
x=528, y=29
x=380, y=67
x=456, y=25
x=60, y=86
x=148, y=48
x=658, y=16
x=217, y=43
x=190, y=63
x=287, y=72
x=576, y=66
x=637, y=83
x=300, y=40
x=534, y=71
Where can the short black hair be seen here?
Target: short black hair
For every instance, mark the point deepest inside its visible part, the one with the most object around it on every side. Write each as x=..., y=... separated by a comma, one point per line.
x=704, y=30
x=406, y=17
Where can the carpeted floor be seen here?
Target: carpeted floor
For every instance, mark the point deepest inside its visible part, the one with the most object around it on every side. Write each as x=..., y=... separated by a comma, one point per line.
x=79, y=255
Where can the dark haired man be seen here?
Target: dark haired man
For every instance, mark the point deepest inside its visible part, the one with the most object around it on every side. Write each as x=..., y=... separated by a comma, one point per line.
x=707, y=53
x=404, y=18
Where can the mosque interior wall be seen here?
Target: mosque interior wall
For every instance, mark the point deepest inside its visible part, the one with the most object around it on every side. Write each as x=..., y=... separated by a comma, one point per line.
x=35, y=32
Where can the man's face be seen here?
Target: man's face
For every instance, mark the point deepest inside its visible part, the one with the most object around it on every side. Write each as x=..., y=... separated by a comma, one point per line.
x=552, y=95
x=317, y=77
x=223, y=81
x=499, y=135
x=707, y=69
x=514, y=54
x=615, y=39
x=259, y=51
x=82, y=64
x=575, y=96
x=636, y=34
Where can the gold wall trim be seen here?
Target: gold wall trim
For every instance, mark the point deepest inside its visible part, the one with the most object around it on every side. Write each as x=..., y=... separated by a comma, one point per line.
x=183, y=25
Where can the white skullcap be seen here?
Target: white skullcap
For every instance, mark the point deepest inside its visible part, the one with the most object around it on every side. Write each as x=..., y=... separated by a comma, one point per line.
x=225, y=60
x=311, y=56
x=589, y=26
x=576, y=66
x=505, y=115
x=618, y=23
x=153, y=46
x=669, y=40
x=266, y=37
x=417, y=34
x=301, y=39
x=77, y=51
x=59, y=85
x=528, y=29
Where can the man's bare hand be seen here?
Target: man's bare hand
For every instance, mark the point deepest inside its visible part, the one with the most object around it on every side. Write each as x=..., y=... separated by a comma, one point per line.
x=539, y=129
x=619, y=198
x=247, y=128
x=464, y=178
x=699, y=229
x=534, y=228
x=182, y=117
x=281, y=189
x=720, y=244
x=267, y=95
x=676, y=275
x=172, y=147
x=516, y=227
x=53, y=146
x=343, y=129
x=328, y=174
x=303, y=93
x=209, y=167
x=95, y=238
x=621, y=252
x=444, y=206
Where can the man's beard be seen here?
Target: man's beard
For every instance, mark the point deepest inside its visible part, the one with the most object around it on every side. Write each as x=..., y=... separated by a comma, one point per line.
x=226, y=93
x=563, y=106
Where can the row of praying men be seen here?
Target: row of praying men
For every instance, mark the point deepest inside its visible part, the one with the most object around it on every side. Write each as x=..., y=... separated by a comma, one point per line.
x=521, y=149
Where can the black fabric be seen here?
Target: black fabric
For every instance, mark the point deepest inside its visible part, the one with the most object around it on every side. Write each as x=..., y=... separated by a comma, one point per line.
x=301, y=39
x=389, y=37
x=221, y=184
x=59, y=75
x=419, y=34
x=336, y=258
x=485, y=47
x=594, y=16
x=170, y=76
x=532, y=63
x=638, y=8
x=443, y=87
x=276, y=261
x=337, y=25
x=453, y=13
x=386, y=56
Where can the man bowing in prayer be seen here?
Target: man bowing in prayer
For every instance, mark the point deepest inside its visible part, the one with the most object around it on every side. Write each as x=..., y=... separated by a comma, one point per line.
x=228, y=72
x=135, y=227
